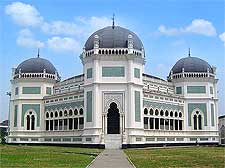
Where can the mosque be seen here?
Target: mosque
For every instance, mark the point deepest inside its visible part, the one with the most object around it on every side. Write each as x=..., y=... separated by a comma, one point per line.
x=114, y=103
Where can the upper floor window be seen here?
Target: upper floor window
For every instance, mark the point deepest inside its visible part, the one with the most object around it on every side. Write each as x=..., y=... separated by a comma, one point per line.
x=31, y=90
x=211, y=90
x=196, y=89
x=136, y=73
x=113, y=71
x=48, y=90
x=16, y=91
x=89, y=73
x=178, y=90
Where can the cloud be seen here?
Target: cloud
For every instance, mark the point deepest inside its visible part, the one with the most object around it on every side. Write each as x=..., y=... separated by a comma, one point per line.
x=24, y=14
x=222, y=37
x=197, y=26
x=26, y=39
x=201, y=26
x=168, y=31
x=60, y=27
x=77, y=30
x=63, y=44
x=94, y=22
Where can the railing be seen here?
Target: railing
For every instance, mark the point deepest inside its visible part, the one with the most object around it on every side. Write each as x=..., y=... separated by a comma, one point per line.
x=192, y=75
x=113, y=51
x=37, y=75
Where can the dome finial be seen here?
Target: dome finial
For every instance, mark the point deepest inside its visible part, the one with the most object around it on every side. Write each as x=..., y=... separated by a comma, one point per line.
x=113, y=19
x=38, y=54
x=189, y=52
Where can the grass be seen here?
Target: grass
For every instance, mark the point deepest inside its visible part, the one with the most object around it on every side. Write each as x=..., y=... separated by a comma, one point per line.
x=45, y=156
x=204, y=157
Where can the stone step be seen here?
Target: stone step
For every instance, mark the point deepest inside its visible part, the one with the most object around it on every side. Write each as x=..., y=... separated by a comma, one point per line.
x=113, y=141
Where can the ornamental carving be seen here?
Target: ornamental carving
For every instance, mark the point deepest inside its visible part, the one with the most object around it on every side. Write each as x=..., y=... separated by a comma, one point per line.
x=116, y=97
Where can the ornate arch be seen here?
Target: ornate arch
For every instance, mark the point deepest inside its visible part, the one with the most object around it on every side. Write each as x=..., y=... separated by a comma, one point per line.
x=107, y=105
x=116, y=97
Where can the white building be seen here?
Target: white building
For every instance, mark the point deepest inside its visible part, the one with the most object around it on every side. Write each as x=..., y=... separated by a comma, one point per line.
x=114, y=103
x=222, y=129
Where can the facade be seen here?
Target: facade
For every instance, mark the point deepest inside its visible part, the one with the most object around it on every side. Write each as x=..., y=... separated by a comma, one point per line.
x=222, y=129
x=114, y=103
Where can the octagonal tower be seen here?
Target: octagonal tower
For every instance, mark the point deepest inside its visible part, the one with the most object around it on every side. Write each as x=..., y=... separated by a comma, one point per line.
x=113, y=59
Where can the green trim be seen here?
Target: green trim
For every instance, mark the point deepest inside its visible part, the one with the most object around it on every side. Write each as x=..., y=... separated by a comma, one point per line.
x=137, y=106
x=31, y=90
x=64, y=105
x=194, y=106
x=48, y=90
x=113, y=71
x=15, y=115
x=158, y=105
x=212, y=115
x=89, y=73
x=34, y=107
x=196, y=89
x=179, y=90
x=89, y=106
x=136, y=73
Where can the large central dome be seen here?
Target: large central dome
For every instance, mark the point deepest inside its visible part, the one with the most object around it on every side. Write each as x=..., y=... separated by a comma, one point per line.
x=113, y=37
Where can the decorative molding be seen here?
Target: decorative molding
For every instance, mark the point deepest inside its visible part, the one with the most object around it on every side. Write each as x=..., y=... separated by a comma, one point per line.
x=117, y=97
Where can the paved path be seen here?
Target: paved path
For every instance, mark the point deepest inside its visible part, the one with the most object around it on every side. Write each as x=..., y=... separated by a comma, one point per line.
x=111, y=158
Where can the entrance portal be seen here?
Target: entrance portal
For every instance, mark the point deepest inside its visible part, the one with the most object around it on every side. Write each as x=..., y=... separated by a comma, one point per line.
x=113, y=119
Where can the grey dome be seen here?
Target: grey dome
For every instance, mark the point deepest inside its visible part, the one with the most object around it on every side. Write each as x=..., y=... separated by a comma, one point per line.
x=116, y=37
x=191, y=64
x=36, y=65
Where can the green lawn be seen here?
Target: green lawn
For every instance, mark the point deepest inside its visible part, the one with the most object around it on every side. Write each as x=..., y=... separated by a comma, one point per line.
x=46, y=156
x=206, y=157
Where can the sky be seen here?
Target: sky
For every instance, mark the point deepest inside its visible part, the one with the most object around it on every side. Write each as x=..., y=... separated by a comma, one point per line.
x=60, y=28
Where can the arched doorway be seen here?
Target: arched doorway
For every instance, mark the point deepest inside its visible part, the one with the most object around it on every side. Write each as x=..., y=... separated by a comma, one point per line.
x=113, y=119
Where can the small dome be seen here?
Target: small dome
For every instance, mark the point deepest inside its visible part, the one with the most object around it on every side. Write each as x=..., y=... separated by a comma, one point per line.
x=36, y=65
x=116, y=37
x=191, y=64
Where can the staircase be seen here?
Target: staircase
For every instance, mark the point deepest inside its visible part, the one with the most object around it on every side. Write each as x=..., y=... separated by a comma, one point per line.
x=113, y=141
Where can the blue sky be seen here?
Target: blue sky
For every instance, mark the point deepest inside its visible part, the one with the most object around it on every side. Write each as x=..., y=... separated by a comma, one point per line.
x=60, y=28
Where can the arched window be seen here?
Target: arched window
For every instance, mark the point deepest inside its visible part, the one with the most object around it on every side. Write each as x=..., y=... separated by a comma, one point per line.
x=176, y=114
x=180, y=114
x=145, y=111
x=75, y=112
x=70, y=112
x=65, y=113
x=161, y=112
x=47, y=115
x=81, y=111
x=151, y=112
x=166, y=113
x=28, y=122
x=156, y=112
x=171, y=114
x=56, y=114
x=60, y=114
x=31, y=121
x=51, y=114
x=197, y=120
